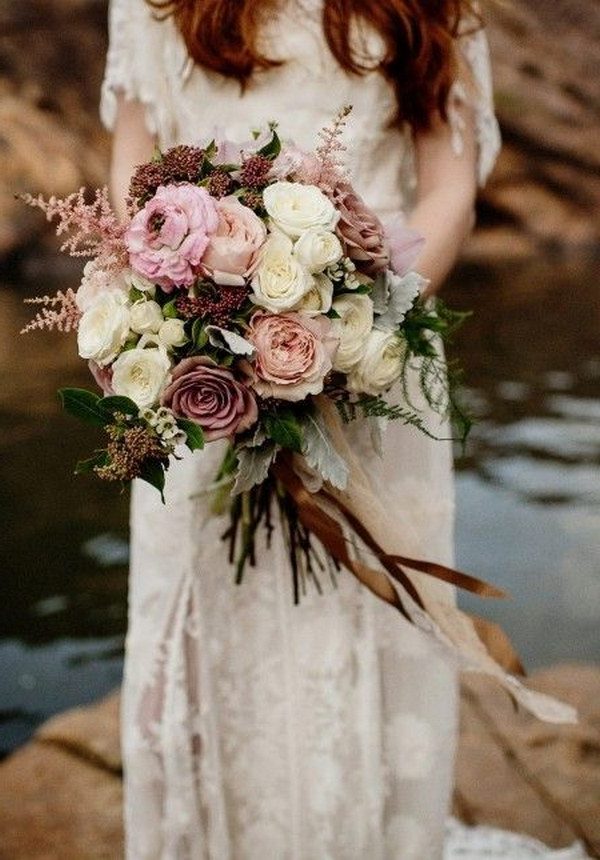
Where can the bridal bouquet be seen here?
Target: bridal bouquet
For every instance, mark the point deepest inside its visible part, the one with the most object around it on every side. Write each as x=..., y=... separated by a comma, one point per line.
x=251, y=295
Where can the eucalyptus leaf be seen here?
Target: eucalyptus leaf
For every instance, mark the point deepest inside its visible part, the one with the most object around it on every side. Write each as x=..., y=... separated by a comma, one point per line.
x=320, y=453
x=85, y=405
x=253, y=466
x=231, y=341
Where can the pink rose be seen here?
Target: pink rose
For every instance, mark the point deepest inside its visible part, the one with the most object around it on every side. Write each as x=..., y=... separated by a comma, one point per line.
x=167, y=239
x=360, y=230
x=294, y=354
x=232, y=253
x=211, y=396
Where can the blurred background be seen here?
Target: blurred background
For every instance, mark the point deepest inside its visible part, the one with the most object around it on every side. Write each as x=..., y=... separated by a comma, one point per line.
x=528, y=484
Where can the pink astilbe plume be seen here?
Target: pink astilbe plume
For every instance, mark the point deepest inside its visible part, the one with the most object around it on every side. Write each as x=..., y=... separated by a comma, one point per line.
x=58, y=312
x=331, y=149
x=94, y=228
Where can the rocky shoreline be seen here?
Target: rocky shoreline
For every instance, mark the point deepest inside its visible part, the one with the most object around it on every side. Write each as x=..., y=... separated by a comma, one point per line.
x=61, y=794
x=543, y=198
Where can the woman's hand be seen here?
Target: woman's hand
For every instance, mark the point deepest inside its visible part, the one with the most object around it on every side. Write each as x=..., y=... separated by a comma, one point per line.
x=446, y=189
x=132, y=145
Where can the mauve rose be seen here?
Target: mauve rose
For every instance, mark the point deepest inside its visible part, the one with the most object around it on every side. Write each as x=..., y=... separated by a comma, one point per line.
x=167, y=239
x=211, y=396
x=232, y=253
x=294, y=354
x=360, y=230
x=405, y=245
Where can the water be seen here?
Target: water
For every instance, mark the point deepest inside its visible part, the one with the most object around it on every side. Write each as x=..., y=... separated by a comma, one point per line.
x=528, y=491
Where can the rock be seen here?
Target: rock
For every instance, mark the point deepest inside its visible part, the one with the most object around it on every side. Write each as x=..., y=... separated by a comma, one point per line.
x=57, y=806
x=92, y=733
x=60, y=796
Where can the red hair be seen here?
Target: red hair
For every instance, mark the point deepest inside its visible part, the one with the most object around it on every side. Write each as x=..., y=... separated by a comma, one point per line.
x=419, y=60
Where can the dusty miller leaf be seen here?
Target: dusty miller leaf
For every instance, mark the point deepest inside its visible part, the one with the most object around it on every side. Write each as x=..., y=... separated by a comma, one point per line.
x=222, y=338
x=320, y=454
x=253, y=466
x=402, y=294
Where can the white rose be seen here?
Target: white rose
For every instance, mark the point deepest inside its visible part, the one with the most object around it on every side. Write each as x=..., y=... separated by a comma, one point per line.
x=96, y=281
x=146, y=317
x=139, y=282
x=318, y=299
x=352, y=328
x=317, y=249
x=381, y=364
x=172, y=333
x=280, y=281
x=141, y=374
x=104, y=327
x=295, y=208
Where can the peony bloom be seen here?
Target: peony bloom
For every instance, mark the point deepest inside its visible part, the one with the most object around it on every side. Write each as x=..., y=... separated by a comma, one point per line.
x=141, y=374
x=380, y=366
x=352, y=328
x=295, y=208
x=167, y=239
x=232, y=253
x=361, y=231
x=293, y=354
x=212, y=397
x=280, y=281
x=104, y=327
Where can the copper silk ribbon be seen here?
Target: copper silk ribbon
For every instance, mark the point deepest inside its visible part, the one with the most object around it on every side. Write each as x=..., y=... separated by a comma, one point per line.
x=353, y=524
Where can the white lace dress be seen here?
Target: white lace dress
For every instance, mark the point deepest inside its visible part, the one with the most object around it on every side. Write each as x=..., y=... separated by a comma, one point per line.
x=254, y=729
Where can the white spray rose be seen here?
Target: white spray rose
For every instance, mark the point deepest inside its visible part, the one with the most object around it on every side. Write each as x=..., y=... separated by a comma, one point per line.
x=146, y=317
x=172, y=333
x=352, y=328
x=317, y=249
x=139, y=282
x=280, y=281
x=141, y=374
x=104, y=327
x=318, y=299
x=295, y=208
x=96, y=281
x=381, y=364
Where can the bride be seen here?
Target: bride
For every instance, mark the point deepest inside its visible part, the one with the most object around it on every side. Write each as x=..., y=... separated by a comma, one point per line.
x=253, y=728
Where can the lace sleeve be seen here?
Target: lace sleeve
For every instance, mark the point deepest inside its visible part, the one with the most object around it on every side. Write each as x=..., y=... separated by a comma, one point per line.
x=133, y=62
x=479, y=93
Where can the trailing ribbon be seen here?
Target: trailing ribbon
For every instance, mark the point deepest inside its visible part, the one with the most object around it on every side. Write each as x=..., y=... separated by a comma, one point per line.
x=407, y=583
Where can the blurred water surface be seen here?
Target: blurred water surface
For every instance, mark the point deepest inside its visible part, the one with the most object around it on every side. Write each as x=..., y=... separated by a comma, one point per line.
x=528, y=489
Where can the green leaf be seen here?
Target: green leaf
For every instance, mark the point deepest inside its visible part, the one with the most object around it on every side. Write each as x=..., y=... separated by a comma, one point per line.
x=199, y=335
x=169, y=310
x=210, y=150
x=285, y=430
x=157, y=155
x=333, y=314
x=117, y=403
x=153, y=472
x=100, y=458
x=272, y=149
x=85, y=405
x=136, y=295
x=194, y=433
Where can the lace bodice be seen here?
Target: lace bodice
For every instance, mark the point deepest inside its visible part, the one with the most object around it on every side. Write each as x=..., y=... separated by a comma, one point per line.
x=185, y=103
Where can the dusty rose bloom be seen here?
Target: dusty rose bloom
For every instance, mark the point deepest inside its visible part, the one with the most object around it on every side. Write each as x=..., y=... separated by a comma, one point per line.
x=232, y=253
x=211, y=396
x=360, y=230
x=167, y=239
x=294, y=354
x=405, y=245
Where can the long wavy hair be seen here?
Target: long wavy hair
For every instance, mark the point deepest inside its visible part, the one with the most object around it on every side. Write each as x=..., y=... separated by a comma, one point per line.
x=419, y=60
